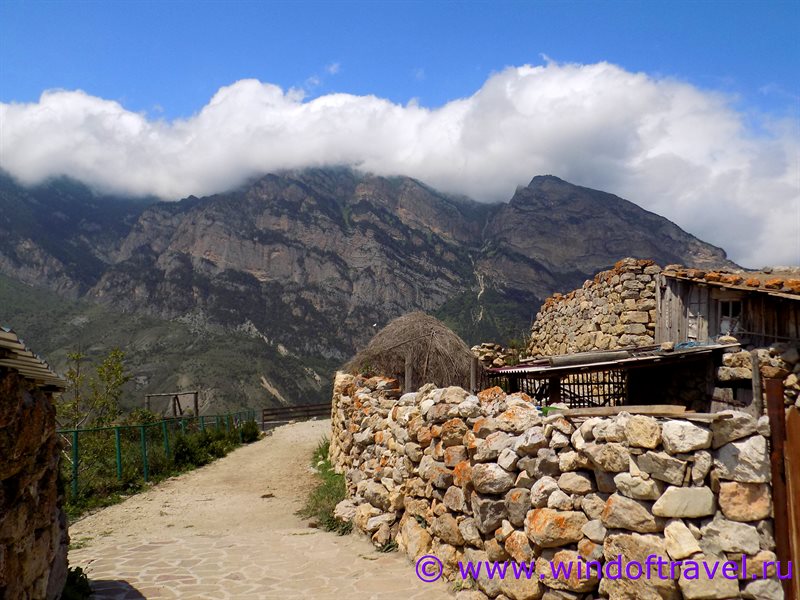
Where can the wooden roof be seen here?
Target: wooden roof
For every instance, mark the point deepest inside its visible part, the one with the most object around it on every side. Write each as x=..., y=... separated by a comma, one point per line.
x=15, y=355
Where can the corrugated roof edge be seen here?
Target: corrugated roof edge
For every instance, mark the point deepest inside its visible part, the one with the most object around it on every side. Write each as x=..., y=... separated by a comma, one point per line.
x=16, y=356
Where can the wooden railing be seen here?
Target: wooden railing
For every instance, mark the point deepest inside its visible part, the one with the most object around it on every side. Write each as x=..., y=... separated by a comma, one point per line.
x=281, y=414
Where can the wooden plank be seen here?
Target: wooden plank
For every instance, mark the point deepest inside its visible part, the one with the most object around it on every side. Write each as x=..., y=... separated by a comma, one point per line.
x=792, y=468
x=607, y=411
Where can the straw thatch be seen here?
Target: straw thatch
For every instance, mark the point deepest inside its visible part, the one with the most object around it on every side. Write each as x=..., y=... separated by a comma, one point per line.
x=435, y=353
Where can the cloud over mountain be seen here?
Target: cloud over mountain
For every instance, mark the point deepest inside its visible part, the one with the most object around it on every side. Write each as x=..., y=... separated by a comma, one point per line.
x=682, y=152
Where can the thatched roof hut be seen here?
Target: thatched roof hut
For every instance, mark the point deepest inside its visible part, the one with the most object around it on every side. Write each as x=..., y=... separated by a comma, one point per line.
x=418, y=344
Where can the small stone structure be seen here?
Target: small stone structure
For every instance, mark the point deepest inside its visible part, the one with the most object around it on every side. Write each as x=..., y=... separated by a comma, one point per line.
x=33, y=526
x=488, y=478
x=615, y=309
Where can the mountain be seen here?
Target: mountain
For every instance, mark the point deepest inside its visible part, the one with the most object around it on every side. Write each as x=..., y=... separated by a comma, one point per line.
x=314, y=261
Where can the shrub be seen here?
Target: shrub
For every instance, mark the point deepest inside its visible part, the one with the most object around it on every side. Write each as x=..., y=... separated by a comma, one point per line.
x=77, y=585
x=250, y=432
x=189, y=451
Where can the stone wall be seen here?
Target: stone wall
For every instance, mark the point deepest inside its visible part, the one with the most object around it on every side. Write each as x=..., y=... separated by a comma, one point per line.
x=616, y=309
x=33, y=528
x=487, y=477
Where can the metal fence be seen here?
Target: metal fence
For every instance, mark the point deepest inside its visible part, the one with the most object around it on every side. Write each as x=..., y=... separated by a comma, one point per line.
x=103, y=459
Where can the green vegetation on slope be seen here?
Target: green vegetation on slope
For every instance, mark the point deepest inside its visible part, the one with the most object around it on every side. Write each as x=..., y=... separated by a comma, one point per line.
x=164, y=356
x=329, y=492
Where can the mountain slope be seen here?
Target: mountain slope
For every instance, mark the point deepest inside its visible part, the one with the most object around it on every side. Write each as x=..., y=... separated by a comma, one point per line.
x=315, y=260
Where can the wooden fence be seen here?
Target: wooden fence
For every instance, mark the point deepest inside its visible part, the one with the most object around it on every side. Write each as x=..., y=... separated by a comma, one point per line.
x=282, y=414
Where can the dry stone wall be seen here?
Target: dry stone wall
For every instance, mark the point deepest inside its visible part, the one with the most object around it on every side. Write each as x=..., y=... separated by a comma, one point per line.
x=488, y=477
x=33, y=528
x=616, y=309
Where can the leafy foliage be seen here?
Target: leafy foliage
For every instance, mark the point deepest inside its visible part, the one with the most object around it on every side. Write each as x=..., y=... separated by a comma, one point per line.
x=77, y=585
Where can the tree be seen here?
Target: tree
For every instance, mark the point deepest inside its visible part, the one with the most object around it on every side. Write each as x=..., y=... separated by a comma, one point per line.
x=93, y=400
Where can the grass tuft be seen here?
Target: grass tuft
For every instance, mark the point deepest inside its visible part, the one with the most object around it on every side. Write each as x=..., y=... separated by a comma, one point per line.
x=329, y=492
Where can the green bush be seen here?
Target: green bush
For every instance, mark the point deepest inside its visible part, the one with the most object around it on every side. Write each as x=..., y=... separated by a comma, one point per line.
x=77, y=585
x=190, y=451
x=250, y=432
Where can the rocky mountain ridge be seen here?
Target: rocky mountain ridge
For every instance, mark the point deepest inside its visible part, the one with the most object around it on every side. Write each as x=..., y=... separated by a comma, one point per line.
x=316, y=260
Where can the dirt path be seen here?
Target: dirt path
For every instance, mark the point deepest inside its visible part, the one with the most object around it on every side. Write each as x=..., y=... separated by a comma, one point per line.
x=211, y=534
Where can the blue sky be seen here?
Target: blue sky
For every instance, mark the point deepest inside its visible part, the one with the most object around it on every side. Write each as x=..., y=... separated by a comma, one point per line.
x=689, y=109
x=173, y=56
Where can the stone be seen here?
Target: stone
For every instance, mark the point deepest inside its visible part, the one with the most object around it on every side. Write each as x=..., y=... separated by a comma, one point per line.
x=679, y=540
x=726, y=374
x=745, y=501
x=560, y=500
x=345, y=510
x=452, y=432
x=550, y=528
x=414, y=538
x=685, y=502
x=622, y=548
x=375, y=523
x=559, y=440
x=413, y=451
x=518, y=503
x=490, y=587
x=611, y=456
x=695, y=584
x=377, y=495
x=490, y=448
x=454, y=455
x=546, y=464
x=739, y=425
x=643, y=432
x=553, y=579
x=455, y=500
x=590, y=550
x=518, y=547
x=595, y=531
x=541, y=491
x=490, y=478
x=488, y=512
x=745, y=461
x=519, y=418
x=469, y=408
x=521, y=588
x=730, y=536
x=636, y=487
x=508, y=459
x=609, y=430
x=469, y=531
x=576, y=482
x=662, y=466
x=573, y=461
x=701, y=466
x=625, y=513
x=530, y=442
x=763, y=589
x=445, y=528
x=762, y=426
x=495, y=550
x=684, y=436
x=593, y=505
x=605, y=482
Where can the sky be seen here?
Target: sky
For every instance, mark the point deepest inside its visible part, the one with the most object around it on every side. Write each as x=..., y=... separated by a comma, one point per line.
x=689, y=109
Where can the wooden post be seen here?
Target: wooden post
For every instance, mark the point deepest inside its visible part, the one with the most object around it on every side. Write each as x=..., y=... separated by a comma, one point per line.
x=473, y=375
x=175, y=406
x=792, y=469
x=196, y=404
x=758, y=398
x=554, y=384
x=147, y=402
x=777, y=427
x=409, y=375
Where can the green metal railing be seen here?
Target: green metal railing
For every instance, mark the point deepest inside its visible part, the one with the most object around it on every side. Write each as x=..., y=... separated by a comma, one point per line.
x=127, y=452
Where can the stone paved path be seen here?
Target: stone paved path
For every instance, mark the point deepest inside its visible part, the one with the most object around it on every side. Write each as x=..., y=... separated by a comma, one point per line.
x=228, y=530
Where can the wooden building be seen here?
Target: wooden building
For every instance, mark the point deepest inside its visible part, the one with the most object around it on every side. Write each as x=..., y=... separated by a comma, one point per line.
x=757, y=308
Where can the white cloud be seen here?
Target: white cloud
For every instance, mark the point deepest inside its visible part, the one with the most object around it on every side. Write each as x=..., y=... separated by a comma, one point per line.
x=333, y=68
x=676, y=150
